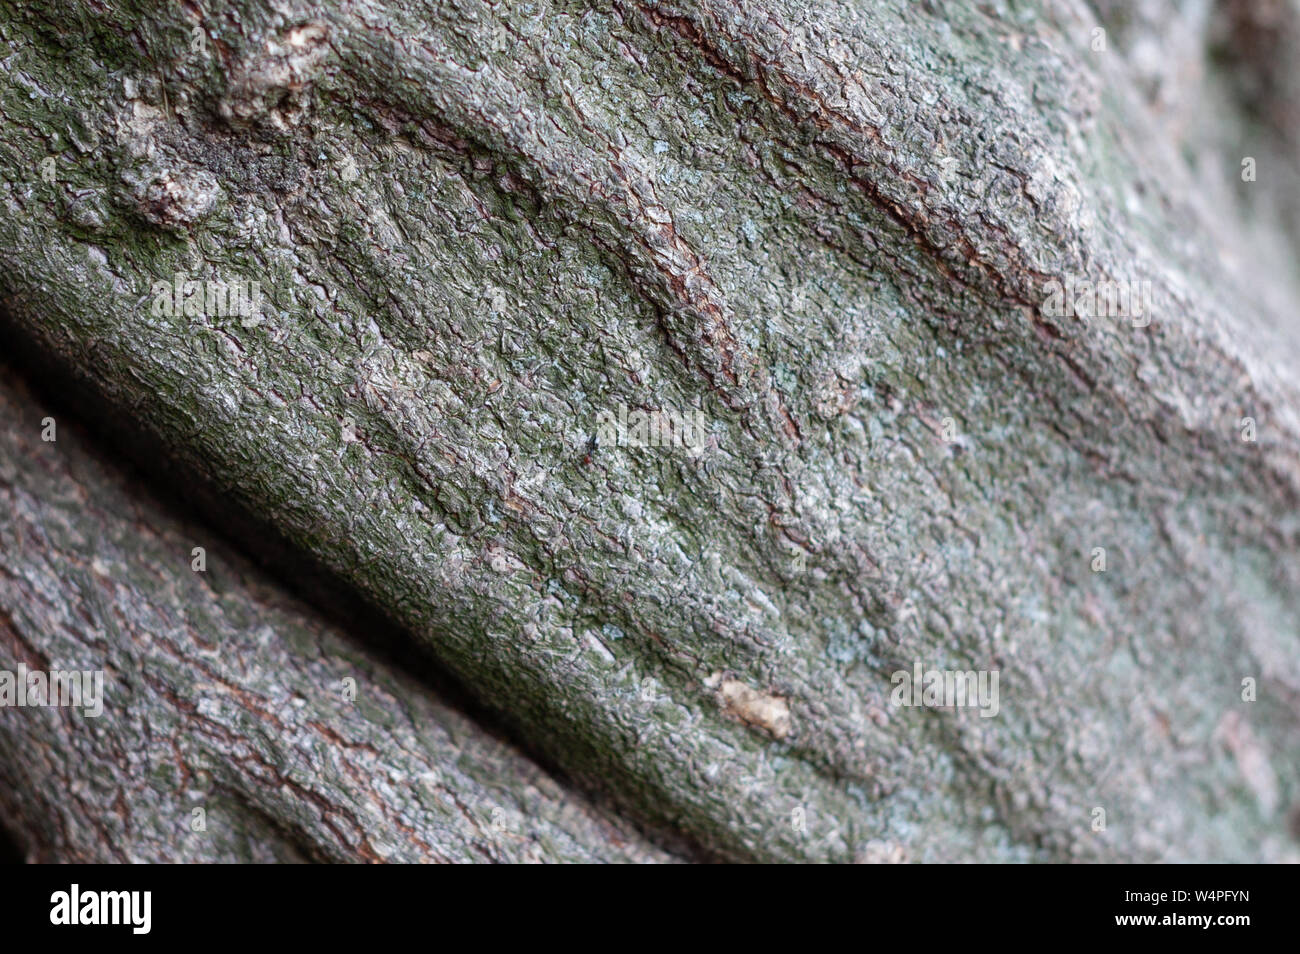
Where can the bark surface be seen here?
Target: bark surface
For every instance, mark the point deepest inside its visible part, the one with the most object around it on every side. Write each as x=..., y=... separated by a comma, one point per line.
x=236, y=724
x=829, y=230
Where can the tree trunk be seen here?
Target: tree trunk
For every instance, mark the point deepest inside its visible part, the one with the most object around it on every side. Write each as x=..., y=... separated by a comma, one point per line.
x=675, y=373
x=236, y=725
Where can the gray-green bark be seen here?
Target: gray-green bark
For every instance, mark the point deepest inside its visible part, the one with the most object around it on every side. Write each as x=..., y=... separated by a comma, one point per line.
x=828, y=229
x=223, y=696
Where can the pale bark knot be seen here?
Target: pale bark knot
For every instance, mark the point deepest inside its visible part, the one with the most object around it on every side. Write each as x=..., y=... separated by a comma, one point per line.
x=759, y=710
x=176, y=198
x=287, y=66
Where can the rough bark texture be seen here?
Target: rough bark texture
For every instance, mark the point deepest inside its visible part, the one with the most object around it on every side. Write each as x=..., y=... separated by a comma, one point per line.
x=828, y=228
x=221, y=695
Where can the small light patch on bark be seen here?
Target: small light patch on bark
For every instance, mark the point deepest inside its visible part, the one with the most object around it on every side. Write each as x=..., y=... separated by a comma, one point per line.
x=760, y=710
x=288, y=64
x=174, y=198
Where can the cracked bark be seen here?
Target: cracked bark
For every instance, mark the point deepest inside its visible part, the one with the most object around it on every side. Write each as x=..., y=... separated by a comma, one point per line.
x=828, y=229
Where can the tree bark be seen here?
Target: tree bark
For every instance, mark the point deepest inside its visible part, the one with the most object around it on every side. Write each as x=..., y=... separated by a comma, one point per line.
x=236, y=725
x=832, y=233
